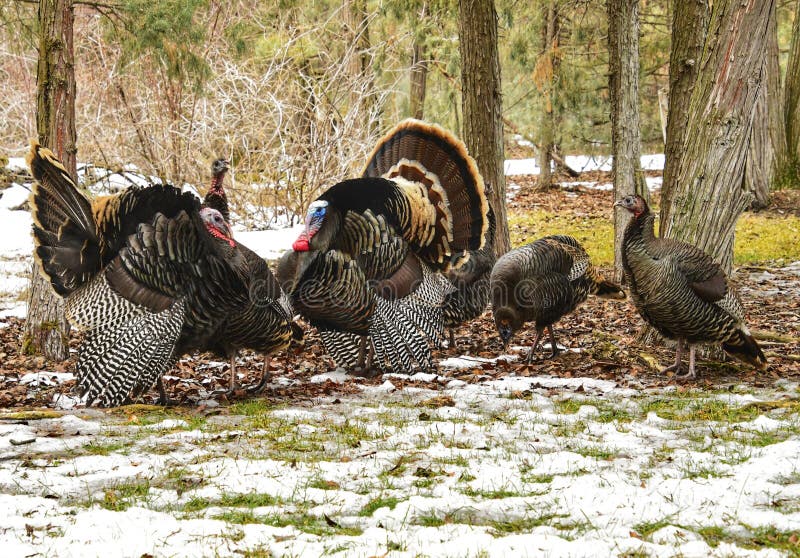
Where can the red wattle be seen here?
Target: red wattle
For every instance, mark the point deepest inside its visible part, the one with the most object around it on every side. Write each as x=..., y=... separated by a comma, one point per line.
x=301, y=244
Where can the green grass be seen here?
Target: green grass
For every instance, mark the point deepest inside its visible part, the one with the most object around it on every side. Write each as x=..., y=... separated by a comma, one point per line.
x=759, y=237
x=377, y=503
x=250, y=500
x=123, y=495
x=307, y=523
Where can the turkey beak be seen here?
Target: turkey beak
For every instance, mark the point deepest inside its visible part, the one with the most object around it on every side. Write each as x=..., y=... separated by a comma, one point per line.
x=618, y=203
x=505, y=335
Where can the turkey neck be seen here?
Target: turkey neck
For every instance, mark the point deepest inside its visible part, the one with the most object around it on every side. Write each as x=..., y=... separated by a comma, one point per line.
x=639, y=235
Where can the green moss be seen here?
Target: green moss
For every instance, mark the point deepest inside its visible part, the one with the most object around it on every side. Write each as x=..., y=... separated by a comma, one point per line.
x=31, y=415
x=759, y=237
x=596, y=234
x=762, y=238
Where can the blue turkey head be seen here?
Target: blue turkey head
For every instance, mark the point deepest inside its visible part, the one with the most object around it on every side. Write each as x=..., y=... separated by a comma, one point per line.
x=315, y=217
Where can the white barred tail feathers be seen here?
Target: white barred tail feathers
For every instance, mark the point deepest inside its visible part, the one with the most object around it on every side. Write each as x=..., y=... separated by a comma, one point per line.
x=65, y=234
x=127, y=346
x=442, y=185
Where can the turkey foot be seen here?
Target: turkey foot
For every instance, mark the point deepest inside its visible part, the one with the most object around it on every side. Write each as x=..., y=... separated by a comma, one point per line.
x=266, y=377
x=690, y=374
x=678, y=365
x=553, y=345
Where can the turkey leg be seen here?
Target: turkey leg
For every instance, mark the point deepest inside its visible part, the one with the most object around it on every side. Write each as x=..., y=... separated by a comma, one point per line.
x=553, y=344
x=691, y=374
x=163, y=398
x=677, y=366
x=265, y=378
x=535, y=344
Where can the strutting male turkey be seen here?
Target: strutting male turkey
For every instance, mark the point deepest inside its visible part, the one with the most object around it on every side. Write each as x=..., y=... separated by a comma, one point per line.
x=682, y=292
x=148, y=275
x=367, y=273
x=470, y=295
x=542, y=282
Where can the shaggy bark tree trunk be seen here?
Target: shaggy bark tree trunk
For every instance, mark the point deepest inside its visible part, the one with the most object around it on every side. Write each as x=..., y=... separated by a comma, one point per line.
x=710, y=192
x=482, y=104
x=545, y=77
x=760, y=165
x=46, y=328
x=689, y=24
x=623, y=82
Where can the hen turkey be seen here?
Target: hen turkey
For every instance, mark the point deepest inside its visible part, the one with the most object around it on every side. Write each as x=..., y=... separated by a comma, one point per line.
x=237, y=331
x=148, y=275
x=682, y=292
x=543, y=282
x=368, y=270
x=470, y=294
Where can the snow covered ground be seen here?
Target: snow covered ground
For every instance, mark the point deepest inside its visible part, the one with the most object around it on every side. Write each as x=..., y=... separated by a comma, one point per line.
x=512, y=467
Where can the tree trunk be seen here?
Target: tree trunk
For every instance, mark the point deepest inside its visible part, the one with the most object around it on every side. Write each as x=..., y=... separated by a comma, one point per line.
x=482, y=104
x=46, y=329
x=356, y=24
x=689, y=25
x=792, y=104
x=760, y=165
x=418, y=78
x=775, y=101
x=545, y=76
x=623, y=85
x=710, y=193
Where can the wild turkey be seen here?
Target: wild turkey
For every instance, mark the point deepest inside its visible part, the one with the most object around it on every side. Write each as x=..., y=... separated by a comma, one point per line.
x=543, y=282
x=682, y=292
x=148, y=275
x=237, y=330
x=367, y=271
x=216, y=197
x=470, y=282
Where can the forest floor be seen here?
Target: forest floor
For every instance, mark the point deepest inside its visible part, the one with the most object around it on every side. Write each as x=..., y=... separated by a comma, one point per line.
x=590, y=453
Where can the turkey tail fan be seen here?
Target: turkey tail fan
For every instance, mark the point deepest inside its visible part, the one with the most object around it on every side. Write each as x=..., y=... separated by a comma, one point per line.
x=127, y=347
x=429, y=155
x=342, y=346
x=744, y=347
x=64, y=231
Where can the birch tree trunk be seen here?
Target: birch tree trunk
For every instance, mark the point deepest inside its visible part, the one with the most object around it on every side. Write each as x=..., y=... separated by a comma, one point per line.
x=689, y=25
x=710, y=192
x=46, y=328
x=482, y=104
x=623, y=82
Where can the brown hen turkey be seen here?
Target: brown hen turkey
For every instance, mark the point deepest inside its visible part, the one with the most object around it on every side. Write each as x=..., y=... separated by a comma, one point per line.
x=682, y=292
x=542, y=282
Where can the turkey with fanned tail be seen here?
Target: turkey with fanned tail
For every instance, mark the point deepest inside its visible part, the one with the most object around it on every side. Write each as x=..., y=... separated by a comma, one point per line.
x=542, y=282
x=147, y=274
x=367, y=272
x=682, y=292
